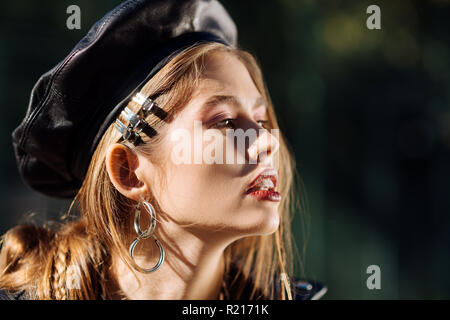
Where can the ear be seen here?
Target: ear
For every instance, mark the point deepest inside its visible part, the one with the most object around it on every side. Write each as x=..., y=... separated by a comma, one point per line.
x=122, y=164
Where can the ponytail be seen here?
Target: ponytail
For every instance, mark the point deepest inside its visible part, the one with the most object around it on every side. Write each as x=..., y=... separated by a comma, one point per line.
x=46, y=264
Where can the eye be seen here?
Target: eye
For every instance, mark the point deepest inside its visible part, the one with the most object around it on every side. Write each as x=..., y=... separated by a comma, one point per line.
x=264, y=123
x=226, y=123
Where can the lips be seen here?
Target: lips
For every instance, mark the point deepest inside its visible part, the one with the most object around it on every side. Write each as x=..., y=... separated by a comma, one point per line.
x=266, y=180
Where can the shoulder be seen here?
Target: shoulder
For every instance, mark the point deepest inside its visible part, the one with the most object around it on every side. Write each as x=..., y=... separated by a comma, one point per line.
x=307, y=290
x=17, y=295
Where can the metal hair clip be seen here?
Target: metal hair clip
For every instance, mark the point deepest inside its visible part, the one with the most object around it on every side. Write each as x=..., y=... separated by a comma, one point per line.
x=146, y=103
x=136, y=124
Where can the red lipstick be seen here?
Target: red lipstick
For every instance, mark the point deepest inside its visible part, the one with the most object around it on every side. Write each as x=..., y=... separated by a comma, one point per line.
x=263, y=186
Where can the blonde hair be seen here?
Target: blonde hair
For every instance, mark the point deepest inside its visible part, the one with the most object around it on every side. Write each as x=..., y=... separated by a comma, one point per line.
x=37, y=259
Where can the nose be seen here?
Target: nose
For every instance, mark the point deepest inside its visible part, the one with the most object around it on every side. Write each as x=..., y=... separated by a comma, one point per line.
x=264, y=147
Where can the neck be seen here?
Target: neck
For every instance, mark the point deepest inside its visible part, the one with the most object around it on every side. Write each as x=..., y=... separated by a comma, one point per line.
x=193, y=268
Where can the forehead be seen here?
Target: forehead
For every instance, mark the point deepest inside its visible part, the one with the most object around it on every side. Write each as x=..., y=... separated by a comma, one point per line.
x=225, y=73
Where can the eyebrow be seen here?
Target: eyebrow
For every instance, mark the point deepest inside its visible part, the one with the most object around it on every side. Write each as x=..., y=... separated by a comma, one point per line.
x=216, y=100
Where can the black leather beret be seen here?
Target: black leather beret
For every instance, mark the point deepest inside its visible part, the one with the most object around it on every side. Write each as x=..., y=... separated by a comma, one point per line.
x=73, y=104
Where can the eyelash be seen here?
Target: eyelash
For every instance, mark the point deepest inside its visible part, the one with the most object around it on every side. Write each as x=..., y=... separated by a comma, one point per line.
x=224, y=123
x=265, y=124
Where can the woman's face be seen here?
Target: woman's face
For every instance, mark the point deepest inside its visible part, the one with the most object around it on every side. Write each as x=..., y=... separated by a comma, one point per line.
x=210, y=195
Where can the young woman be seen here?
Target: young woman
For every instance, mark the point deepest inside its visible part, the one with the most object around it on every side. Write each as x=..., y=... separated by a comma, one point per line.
x=171, y=206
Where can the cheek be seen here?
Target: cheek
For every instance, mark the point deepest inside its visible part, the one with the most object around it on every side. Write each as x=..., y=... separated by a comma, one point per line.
x=195, y=186
x=200, y=191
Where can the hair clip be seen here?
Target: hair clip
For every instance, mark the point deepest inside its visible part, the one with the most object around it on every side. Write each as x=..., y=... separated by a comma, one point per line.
x=136, y=121
x=146, y=103
x=127, y=132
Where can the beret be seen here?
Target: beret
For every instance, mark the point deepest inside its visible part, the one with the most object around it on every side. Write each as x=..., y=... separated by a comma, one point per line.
x=73, y=104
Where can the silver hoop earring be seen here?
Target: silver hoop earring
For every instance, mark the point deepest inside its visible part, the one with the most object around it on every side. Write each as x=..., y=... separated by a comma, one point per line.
x=146, y=234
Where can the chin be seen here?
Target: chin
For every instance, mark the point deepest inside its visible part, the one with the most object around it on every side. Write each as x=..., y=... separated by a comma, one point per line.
x=272, y=224
x=268, y=222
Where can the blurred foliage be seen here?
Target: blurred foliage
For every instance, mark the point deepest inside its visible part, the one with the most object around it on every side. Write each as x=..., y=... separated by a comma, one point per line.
x=366, y=112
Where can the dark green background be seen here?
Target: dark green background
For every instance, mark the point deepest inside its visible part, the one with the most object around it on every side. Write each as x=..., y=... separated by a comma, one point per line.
x=366, y=111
